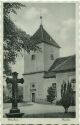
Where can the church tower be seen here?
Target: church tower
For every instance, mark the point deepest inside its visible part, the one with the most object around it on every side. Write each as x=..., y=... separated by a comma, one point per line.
x=37, y=63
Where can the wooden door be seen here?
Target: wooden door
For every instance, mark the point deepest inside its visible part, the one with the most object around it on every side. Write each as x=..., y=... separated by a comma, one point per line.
x=33, y=97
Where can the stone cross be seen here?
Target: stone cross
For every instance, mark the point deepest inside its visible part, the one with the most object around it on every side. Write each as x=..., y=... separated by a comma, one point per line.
x=14, y=81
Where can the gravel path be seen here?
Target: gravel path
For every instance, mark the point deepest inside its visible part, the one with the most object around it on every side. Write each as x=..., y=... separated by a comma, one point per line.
x=35, y=108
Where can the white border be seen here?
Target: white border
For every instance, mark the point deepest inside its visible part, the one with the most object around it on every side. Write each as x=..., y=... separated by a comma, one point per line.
x=0, y=60
x=60, y=121
x=79, y=56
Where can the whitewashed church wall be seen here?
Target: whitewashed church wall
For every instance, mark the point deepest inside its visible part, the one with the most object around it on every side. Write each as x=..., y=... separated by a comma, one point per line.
x=48, y=50
x=34, y=65
x=42, y=61
x=26, y=90
x=37, y=80
x=60, y=77
x=41, y=85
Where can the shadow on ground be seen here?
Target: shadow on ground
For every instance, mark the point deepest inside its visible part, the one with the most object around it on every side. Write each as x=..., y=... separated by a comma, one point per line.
x=51, y=115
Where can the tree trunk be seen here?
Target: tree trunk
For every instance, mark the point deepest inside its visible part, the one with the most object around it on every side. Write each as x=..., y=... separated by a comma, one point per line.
x=66, y=110
x=51, y=102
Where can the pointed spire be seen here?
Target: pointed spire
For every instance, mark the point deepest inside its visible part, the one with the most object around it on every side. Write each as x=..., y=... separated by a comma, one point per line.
x=41, y=27
x=41, y=19
x=40, y=16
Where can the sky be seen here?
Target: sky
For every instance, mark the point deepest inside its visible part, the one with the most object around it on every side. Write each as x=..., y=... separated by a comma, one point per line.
x=58, y=20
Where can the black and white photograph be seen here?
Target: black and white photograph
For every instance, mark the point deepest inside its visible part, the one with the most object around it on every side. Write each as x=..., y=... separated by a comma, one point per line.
x=39, y=60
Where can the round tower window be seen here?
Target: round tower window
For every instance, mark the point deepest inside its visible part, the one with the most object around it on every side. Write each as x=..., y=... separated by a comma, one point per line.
x=33, y=85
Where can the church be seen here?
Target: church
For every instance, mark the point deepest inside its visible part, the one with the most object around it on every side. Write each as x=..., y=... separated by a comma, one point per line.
x=46, y=68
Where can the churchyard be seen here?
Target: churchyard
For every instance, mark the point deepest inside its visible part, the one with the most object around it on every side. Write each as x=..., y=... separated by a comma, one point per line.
x=36, y=110
x=47, y=76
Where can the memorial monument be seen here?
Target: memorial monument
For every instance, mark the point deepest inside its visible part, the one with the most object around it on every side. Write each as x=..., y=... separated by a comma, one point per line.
x=14, y=111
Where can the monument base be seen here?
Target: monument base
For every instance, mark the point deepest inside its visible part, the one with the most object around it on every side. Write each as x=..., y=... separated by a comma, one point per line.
x=14, y=110
x=14, y=113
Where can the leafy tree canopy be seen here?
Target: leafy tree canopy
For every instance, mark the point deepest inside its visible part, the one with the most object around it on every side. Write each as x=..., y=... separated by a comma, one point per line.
x=14, y=38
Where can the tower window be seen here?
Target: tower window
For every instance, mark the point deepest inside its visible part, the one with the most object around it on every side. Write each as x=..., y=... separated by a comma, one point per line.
x=33, y=85
x=33, y=57
x=52, y=57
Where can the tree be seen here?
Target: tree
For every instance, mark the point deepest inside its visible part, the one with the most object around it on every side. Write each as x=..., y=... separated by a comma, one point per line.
x=51, y=94
x=66, y=94
x=15, y=40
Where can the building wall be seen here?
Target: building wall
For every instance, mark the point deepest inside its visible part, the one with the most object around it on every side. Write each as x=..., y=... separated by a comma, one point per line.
x=36, y=79
x=42, y=61
x=48, y=50
x=41, y=86
x=34, y=65
x=60, y=77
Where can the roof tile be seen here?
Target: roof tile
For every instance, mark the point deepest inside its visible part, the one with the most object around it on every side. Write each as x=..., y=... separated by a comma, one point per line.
x=42, y=36
x=62, y=64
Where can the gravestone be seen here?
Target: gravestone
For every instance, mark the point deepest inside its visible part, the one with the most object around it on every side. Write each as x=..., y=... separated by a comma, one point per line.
x=14, y=111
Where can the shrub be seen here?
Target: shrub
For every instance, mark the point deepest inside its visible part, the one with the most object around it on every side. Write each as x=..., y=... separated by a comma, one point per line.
x=66, y=94
x=58, y=102
x=51, y=94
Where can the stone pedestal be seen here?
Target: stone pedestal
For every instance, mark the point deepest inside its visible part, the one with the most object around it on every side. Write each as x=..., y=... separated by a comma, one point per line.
x=14, y=113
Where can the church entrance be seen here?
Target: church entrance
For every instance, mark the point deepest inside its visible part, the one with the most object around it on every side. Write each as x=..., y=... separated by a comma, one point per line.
x=33, y=97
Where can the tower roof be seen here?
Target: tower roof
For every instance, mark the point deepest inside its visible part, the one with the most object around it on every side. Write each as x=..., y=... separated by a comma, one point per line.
x=42, y=36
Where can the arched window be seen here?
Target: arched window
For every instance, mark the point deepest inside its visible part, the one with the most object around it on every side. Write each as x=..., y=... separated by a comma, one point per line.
x=33, y=57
